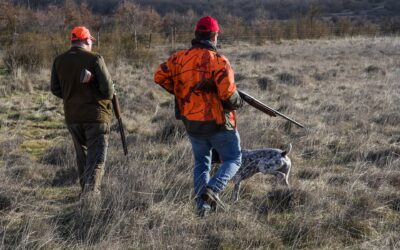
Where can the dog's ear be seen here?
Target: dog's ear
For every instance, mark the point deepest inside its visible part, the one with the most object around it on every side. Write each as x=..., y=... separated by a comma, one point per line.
x=286, y=152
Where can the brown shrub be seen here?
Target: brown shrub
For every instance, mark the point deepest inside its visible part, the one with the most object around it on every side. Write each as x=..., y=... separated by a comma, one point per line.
x=15, y=159
x=170, y=132
x=6, y=201
x=395, y=139
x=297, y=232
x=258, y=56
x=394, y=179
x=30, y=52
x=388, y=118
x=338, y=180
x=30, y=232
x=65, y=177
x=327, y=75
x=59, y=155
x=284, y=199
x=30, y=175
x=169, y=129
x=239, y=77
x=356, y=229
x=8, y=144
x=289, y=79
x=310, y=153
x=265, y=83
x=360, y=206
x=392, y=200
x=308, y=174
x=374, y=70
x=374, y=180
x=382, y=156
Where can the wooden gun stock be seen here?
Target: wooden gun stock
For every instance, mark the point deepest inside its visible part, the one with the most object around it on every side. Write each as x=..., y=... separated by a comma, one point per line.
x=117, y=112
x=264, y=108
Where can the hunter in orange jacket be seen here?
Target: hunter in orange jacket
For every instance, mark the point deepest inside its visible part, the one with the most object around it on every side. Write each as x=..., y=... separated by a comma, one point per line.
x=202, y=81
x=206, y=99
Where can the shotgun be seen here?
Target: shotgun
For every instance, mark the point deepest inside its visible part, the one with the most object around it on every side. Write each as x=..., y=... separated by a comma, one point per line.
x=264, y=108
x=117, y=112
x=86, y=77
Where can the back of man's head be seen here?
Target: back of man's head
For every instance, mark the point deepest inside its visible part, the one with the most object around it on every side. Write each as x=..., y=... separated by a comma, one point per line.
x=206, y=28
x=81, y=37
x=81, y=33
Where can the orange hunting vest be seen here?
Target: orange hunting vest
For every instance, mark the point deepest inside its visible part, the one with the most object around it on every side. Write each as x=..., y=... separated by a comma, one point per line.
x=200, y=79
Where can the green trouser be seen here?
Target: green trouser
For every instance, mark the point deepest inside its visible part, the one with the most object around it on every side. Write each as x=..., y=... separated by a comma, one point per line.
x=91, y=143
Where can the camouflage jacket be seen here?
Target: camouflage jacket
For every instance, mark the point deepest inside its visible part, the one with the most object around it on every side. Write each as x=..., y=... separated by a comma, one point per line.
x=202, y=81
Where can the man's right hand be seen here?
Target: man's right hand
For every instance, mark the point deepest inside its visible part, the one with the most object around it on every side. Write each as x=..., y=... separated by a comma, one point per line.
x=86, y=76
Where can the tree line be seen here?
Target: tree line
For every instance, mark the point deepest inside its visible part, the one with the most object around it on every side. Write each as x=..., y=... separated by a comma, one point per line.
x=32, y=32
x=274, y=9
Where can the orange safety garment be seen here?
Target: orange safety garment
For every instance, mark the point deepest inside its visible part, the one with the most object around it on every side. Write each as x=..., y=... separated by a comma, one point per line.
x=201, y=80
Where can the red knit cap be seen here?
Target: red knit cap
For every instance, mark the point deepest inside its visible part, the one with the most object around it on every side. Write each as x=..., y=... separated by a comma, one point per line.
x=207, y=24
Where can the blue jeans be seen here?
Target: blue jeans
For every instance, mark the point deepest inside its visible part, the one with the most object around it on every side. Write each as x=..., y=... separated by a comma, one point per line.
x=227, y=144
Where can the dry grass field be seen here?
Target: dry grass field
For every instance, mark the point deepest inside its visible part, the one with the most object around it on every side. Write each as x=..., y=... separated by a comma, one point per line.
x=345, y=191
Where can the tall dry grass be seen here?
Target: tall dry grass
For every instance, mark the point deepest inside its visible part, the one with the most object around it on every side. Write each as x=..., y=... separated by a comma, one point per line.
x=345, y=176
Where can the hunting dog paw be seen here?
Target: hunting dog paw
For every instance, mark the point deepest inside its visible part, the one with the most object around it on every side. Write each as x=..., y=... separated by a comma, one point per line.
x=267, y=161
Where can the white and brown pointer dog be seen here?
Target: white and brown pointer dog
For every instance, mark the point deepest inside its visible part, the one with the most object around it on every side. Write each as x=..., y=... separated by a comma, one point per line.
x=267, y=161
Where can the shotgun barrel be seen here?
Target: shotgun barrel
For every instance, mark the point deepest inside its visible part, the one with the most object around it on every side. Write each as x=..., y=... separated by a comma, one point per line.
x=265, y=108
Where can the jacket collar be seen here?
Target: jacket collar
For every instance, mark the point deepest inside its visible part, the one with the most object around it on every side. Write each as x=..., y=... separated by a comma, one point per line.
x=205, y=44
x=75, y=48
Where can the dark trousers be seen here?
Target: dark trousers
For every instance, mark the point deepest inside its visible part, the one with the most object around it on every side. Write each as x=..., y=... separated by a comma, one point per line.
x=91, y=143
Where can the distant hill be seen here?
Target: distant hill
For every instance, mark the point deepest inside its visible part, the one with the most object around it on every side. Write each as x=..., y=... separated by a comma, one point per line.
x=280, y=9
x=248, y=10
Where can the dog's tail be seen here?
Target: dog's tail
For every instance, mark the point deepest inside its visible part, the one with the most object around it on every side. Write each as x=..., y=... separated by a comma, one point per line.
x=287, y=151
